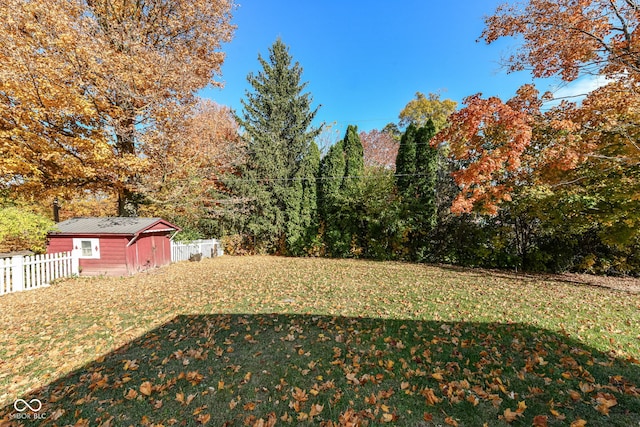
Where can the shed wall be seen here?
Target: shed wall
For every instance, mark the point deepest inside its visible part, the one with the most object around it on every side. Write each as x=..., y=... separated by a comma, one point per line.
x=59, y=244
x=112, y=261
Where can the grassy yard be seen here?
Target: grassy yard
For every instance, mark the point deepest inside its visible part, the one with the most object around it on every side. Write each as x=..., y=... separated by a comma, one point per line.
x=264, y=341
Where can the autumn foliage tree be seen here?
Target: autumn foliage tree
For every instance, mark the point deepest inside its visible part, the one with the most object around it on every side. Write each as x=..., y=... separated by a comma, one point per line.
x=500, y=142
x=21, y=228
x=380, y=149
x=190, y=153
x=566, y=169
x=569, y=40
x=568, y=37
x=489, y=138
x=82, y=83
x=423, y=108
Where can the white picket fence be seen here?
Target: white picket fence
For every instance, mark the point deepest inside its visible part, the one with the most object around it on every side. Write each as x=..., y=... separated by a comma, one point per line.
x=21, y=273
x=183, y=251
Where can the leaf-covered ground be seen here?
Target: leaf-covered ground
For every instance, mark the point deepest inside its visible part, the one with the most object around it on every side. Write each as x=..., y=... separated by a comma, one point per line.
x=263, y=341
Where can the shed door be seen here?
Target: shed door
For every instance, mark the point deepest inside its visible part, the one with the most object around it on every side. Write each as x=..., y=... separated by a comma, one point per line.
x=152, y=251
x=156, y=250
x=161, y=249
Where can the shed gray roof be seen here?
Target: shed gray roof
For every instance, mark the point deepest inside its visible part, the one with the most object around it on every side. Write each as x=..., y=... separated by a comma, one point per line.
x=107, y=225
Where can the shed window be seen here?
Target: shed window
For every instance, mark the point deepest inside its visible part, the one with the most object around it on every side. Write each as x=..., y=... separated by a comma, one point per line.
x=87, y=248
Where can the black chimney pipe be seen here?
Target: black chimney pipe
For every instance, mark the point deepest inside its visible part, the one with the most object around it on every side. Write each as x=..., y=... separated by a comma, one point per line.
x=56, y=210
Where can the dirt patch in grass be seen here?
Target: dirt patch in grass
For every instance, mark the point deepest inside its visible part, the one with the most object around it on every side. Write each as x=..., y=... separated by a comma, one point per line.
x=619, y=283
x=627, y=284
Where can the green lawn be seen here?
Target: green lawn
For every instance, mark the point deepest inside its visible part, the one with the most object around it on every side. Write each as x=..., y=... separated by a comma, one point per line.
x=263, y=341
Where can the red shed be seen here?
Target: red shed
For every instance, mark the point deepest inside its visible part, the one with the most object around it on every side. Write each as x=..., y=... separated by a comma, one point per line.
x=115, y=246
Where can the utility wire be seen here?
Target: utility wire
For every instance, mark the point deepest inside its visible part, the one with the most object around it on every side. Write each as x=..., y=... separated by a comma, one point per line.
x=316, y=178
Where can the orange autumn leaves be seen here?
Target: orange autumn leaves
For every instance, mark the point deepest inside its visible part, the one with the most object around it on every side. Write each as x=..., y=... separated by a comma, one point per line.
x=566, y=36
x=298, y=403
x=510, y=416
x=490, y=137
x=503, y=146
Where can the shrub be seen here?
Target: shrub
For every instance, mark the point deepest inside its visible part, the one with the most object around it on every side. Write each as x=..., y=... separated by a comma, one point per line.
x=21, y=229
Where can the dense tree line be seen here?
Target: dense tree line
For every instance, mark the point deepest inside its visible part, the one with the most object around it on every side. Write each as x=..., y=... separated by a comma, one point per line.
x=507, y=184
x=424, y=206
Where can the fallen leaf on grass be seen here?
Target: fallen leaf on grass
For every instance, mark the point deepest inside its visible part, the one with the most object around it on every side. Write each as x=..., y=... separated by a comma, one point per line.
x=540, y=421
x=203, y=418
x=146, y=388
x=510, y=416
x=315, y=410
x=473, y=400
x=299, y=395
x=450, y=421
x=57, y=414
x=130, y=365
x=604, y=402
x=387, y=418
x=586, y=387
x=186, y=401
x=430, y=396
x=106, y=423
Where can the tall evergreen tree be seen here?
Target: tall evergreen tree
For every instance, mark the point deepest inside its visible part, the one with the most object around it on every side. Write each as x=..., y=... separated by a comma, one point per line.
x=416, y=174
x=340, y=198
x=426, y=176
x=276, y=120
x=308, y=219
x=406, y=161
x=353, y=158
x=330, y=178
x=423, y=206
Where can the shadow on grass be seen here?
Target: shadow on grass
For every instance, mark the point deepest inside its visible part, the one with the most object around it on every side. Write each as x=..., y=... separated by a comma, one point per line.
x=277, y=369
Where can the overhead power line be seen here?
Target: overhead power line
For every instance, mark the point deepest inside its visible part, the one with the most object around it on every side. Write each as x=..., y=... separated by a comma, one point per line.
x=316, y=178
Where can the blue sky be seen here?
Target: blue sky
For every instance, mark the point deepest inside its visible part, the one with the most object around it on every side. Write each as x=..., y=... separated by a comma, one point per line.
x=364, y=61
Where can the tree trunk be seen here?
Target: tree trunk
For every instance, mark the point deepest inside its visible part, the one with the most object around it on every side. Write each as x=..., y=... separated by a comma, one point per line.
x=125, y=145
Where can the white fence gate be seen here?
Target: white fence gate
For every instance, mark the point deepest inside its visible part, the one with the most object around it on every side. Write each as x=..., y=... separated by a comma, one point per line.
x=21, y=273
x=207, y=248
